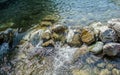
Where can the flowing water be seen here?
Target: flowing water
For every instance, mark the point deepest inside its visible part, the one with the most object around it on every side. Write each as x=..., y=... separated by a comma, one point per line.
x=24, y=14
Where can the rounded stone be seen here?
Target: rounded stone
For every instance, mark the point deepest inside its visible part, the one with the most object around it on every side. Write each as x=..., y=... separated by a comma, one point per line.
x=115, y=24
x=108, y=35
x=115, y=72
x=59, y=28
x=96, y=48
x=76, y=40
x=87, y=36
x=46, y=35
x=80, y=51
x=111, y=49
x=105, y=72
x=49, y=43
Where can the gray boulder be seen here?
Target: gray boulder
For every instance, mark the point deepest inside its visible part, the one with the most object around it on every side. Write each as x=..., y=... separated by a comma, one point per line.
x=111, y=49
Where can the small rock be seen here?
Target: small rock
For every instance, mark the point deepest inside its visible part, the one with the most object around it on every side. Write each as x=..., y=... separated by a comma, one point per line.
x=105, y=72
x=115, y=72
x=7, y=36
x=115, y=24
x=81, y=51
x=98, y=28
x=52, y=18
x=48, y=43
x=108, y=35
x=45, y=24
x=96, y=48
x=101, y=65
x=111, y=49
x=59, y=29
x=80, y=72
x=46, y=35
x=87, y=36
x=76, y=40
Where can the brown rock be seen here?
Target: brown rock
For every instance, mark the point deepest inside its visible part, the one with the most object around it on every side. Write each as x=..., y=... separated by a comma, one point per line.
x=46, y=35
x=76, y=40
x=59, y=29
x=45, y=24
x=105, y=72
x=115, y=72
x=87, y=36
x=48, y=43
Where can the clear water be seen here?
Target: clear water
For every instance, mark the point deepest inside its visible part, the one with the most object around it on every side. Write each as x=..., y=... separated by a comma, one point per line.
x=24, y=13
x=27, y=13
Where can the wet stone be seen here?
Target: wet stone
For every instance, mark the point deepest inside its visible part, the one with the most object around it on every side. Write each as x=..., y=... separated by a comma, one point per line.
x=96, y=48
x=59, y=29
x=115, y=72
x=108, y=35
x=81, y=51
x=111, y=49
x=80, y=72
x=46, y=35
x=45, y=24
x=87, y=36
x=105, y=72
x=49, y=43
x=115, y=24
x=76, y=40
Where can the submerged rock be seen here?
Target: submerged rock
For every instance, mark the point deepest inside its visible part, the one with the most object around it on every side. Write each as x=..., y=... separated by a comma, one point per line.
x=115, y=72
x=46, y=35
x=59, y=29
x=111, y=49
x=105, y=72
x=87, y=36
x=49, y=43
x=80, y=51
x=45, y=24
x=108, y=35
x=7, y=36
x=34, y=36
x=96, y=48
x=80, y=72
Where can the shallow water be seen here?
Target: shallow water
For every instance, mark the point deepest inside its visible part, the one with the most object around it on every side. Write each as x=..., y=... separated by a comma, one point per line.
x=24, y=13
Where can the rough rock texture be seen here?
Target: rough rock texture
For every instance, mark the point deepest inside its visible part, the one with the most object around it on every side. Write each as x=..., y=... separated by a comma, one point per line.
x=87, y=36
x=115, y=24
x=46, y=24
x=96, y=48
x=46, y=35
x=98, y=28
x=80, y=51
x=111, y=49
x=115, y=72
x=7, y=36
x=59, y=29
x=80, y=72
x=76, y=40
x=29, y=60
x=105, y=72
x=49, y=43
x=108, y=35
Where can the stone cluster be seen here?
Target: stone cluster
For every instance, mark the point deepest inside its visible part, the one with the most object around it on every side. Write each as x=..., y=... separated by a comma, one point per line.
x=99, y=38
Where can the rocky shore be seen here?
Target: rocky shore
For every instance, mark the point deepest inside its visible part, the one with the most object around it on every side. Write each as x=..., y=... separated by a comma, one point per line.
x=53, y=49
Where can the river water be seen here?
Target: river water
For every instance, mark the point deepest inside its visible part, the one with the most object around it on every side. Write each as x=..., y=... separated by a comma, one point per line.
x=24, y=14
